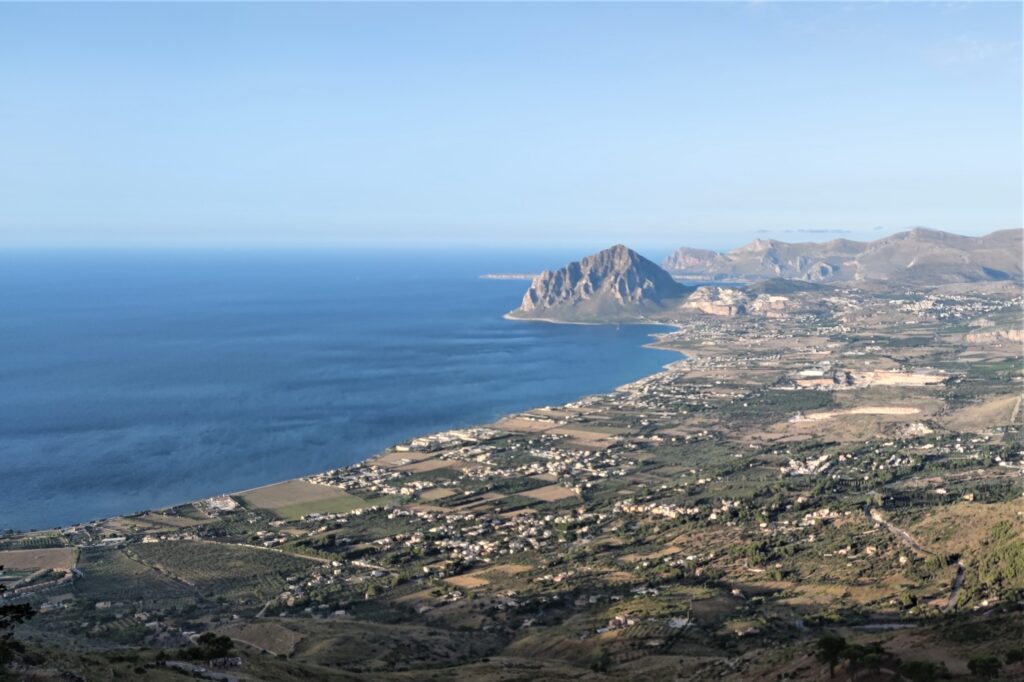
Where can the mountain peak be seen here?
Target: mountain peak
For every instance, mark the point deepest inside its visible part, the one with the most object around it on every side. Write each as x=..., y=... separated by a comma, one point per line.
x=614, y=284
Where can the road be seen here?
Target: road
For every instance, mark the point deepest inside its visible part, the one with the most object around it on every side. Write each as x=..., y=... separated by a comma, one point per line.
x=875, y=516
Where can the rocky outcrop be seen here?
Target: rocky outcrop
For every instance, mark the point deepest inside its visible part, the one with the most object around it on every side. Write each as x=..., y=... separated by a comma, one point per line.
x=920, y=256
x=771, y=305
x=732, y=302
x=616, y=284
x=717, y=301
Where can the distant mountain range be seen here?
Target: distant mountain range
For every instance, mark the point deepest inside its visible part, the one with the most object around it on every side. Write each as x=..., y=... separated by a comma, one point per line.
x=918, y=256
x=617, y=284
x=620, y=285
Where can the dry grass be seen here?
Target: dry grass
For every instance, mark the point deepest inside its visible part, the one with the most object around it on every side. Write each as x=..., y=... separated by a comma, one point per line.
x=288, y=493
x=521, y=425
x=57, y=559
x=994, y=412
x=265, y=636
x=391, y=460
x=889, y=410
x=436, y=494
x=294, y=499
x=427, y=465
x=467, y=582
x=507, y=569
x=549, y=493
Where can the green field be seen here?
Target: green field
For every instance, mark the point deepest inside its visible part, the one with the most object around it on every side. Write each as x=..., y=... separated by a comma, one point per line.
x=336, y=505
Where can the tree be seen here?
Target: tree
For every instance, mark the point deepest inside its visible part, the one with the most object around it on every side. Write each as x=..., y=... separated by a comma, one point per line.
x=11, y=615
x=208, y=647
x=830, y=648
x=601, y=661
x=985, y=667
x=923, y=671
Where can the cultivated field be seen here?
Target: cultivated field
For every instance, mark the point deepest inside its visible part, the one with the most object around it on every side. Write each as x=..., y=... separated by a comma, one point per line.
x=294, y=499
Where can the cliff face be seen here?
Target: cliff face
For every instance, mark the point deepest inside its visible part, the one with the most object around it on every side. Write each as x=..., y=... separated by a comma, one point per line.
x=732, y=302
x=718, y=301
x=920, y=256
x=616, y=284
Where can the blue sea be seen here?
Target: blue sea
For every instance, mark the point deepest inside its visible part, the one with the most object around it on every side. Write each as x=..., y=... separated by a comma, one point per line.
x=134, y=380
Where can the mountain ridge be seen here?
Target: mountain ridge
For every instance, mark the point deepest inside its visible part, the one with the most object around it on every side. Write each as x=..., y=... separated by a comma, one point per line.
x=920, y=255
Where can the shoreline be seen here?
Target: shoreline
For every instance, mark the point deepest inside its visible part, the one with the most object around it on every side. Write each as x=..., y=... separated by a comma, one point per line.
x=653, y=345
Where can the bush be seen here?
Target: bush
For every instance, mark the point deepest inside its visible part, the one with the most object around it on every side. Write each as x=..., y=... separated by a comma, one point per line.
x=985, y=667
x=923, y=671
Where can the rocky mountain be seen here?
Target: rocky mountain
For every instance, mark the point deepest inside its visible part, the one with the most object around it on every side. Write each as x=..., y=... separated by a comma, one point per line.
x=919, y=256
x=616, y=284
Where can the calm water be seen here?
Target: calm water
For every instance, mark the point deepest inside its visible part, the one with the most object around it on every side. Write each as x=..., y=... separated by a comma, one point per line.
x=135, y=380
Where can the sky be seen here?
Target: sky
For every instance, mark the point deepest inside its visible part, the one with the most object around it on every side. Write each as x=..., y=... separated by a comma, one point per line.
x=505, y=124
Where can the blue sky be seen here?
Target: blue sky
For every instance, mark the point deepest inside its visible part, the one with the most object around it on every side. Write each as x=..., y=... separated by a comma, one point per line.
x=704, y=124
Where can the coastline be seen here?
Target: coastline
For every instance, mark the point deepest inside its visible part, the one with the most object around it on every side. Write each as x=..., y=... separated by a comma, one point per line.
x=653, y=345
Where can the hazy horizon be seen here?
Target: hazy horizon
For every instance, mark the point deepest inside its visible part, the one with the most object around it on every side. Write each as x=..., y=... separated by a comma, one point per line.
x=544, y=125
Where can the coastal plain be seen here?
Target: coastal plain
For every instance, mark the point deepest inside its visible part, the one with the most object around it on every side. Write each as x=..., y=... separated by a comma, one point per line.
x=847, y=463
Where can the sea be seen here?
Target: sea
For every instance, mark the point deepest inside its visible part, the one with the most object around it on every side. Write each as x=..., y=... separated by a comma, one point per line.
x=134, y=380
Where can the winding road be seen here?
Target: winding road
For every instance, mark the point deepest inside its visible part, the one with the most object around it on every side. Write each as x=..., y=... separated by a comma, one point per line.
x=875, y=516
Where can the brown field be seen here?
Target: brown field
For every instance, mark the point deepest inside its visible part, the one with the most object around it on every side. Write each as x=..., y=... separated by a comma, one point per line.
x=436, y=494
x=57, y=559
x=520, y=425
x=866, y=409
x=288, y=493
x=586, y=438
x=507, y=569
x=433, y=464
x=423, y=596
x=995, y=412
x=549, y=493
x=397, y=459
x=293, y=499
x=427, y=465
x=467, y=581
x=265, y=636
